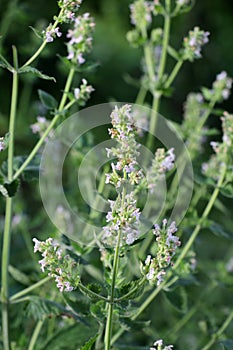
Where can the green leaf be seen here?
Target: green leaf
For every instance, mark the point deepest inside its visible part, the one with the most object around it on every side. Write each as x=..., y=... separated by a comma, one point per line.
x=5, y=64
x=129, y=324
x=219, y=231
x=72, y=337
x=9, y=189
x=173, y=53
x=36, y=72
x=77, y=303
x=47, y=100
x=39, y=308
x=31, y=172
x=227, y=191
x=19, y=276
x=134, y=286
x=89, y=343
x=98, y=310
x=177, y=299
x=94, y=287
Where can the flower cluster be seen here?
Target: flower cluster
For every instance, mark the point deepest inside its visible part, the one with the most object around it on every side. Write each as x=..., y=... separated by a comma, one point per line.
x=123, y=132
x=69, y=9
x=220, y=90
x=194, y=110
x=58, y=264
x=124, y=216
x=40, y=126
x=158, y=345
x=51, y=33
x=82, y=94
x=80, y=38
x=223, y=152
x=163, y=162
x=4, y=142
x=167, y=243
x=193, y=44
x=141, y=14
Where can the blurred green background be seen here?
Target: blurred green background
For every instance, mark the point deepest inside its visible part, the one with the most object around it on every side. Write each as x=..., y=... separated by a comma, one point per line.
x=117, y=61
x=111, y=50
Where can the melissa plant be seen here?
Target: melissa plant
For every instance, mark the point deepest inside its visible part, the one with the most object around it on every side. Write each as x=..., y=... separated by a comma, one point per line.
x=140, y=284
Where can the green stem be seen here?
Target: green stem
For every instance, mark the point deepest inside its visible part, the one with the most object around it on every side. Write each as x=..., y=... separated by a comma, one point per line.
x=50, y=127
x=108, y=332
x=35, y=335
x=157, y=95
x=173, y=74
x=141, y=96
x=167, y=26
x=216, y=335
x=29, y=289
x=8, y=214
x=204, y=216
x=44, y=43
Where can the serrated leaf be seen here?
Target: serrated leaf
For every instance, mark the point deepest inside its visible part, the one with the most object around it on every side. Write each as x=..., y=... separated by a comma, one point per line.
x=19, y=276
x=98, y=310
x=133, y=288
x=89, y=343
x=72, y=337
x=129, y=324
x=31, y=172
x=76, y=304
x=36, y=72
x=177, y=299
x=219, y=231
x=9, y=189
x=39, y=308
x=47, y=100
x=95, y=288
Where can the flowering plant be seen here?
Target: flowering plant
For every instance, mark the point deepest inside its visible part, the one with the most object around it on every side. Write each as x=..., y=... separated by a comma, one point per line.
x=132, y=261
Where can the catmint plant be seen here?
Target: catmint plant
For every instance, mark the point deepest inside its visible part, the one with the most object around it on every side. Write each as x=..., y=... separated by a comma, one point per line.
x=141, y=278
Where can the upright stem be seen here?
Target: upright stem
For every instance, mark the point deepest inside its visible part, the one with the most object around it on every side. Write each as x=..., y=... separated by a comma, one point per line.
x=8, y=213
x=162, y=65
x=204, y=216
x=108, y=332
x=50, y=127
